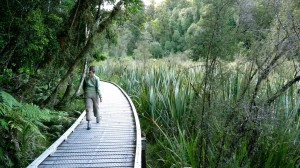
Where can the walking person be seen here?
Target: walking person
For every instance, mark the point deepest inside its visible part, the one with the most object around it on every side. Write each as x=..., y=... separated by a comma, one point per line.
x=92, y=94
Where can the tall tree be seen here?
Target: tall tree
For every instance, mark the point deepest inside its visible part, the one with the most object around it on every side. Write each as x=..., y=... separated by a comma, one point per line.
x=95, y=25
x=52, y=38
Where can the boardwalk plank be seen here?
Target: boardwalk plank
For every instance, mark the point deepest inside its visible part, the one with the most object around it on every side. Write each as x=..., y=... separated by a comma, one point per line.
x=106, y=156
x=88, y=161
x=99, y=165
x=57, y=154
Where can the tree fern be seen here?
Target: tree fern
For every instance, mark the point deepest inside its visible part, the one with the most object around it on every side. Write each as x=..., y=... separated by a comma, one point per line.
x=21, y=126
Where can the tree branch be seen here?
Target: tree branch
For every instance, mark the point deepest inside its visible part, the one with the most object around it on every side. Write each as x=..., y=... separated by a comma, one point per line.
x=283, y=89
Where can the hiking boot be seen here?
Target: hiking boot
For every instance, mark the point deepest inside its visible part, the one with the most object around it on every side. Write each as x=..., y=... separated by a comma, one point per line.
x=88, y=125
x=97, y=119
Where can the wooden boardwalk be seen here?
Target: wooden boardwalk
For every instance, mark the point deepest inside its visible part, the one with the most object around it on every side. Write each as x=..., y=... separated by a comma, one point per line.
x=114, y=142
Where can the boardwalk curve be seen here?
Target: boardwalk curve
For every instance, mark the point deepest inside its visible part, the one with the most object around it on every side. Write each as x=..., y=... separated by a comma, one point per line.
x=114, y=142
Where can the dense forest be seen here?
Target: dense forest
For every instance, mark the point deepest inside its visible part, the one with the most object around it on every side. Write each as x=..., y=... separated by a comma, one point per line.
x=215, y=82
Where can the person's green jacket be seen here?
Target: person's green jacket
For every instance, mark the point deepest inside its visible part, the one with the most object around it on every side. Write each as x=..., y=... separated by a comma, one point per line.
x=92, y=85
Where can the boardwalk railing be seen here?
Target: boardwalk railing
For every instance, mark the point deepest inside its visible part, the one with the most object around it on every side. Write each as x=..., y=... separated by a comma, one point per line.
x=79, y=128
x=138, y=151
x=54, y=146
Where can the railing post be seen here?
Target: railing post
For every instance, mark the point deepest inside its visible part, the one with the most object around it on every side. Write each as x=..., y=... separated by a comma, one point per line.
x=144, y=152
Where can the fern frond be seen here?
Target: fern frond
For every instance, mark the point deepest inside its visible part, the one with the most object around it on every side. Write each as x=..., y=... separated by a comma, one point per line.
x=30, y=136
x=32, y=129
x=33, y=112
x=8, y=99
x=4, y=124
x=15, y=125
x=24, y=122
x=4, y=109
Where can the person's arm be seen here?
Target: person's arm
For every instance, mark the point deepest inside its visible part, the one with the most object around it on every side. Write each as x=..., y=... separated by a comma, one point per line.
x=98, y=88
x=84, y=85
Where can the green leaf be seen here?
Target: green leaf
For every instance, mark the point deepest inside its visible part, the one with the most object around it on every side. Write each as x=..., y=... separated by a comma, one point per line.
x=4, y=124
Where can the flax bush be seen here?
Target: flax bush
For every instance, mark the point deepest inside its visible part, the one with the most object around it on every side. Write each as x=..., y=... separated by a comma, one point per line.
x=190, y=124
